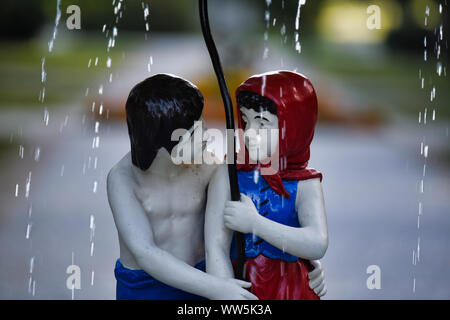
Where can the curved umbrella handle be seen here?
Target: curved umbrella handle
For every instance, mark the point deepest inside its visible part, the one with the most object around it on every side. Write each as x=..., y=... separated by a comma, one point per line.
x=232, y=172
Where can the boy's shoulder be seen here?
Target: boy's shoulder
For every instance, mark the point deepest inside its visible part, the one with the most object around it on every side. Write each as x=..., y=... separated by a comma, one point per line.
x=123, y=167
x=219, y=172
x=210, y=162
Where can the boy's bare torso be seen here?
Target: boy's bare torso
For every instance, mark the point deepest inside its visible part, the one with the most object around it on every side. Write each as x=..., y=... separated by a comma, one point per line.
x=175, y=207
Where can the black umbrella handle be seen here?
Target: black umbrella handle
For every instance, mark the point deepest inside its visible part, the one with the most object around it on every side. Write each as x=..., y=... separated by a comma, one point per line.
x=231, y=154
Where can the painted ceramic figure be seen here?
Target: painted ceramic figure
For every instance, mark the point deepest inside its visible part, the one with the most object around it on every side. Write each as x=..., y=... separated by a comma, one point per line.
x=159, y=206
x=281, y=211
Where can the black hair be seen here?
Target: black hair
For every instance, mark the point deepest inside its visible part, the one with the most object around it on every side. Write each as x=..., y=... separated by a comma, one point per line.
x=251, y=100
x=155, y=108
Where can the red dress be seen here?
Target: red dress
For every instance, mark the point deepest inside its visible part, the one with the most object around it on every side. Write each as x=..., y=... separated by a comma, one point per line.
x=276, y=279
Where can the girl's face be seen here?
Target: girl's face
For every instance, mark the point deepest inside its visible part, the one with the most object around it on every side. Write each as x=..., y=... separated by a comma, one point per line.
x=260, y=133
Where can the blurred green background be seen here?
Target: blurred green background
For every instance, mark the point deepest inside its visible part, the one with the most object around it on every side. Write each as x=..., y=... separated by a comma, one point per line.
x=382, y=66
x=332, y=36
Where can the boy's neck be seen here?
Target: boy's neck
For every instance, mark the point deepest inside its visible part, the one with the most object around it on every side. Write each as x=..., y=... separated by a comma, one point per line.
x=162, y=165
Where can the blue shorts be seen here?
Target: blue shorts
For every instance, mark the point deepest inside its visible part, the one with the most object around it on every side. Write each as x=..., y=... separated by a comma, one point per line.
x=139, y=285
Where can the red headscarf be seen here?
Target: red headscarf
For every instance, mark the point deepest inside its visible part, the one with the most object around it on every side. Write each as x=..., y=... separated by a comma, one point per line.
x=296, y=102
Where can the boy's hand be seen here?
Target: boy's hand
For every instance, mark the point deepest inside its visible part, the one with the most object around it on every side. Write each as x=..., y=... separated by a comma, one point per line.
x=317, y=279
x=234, y=289
x=240, y=215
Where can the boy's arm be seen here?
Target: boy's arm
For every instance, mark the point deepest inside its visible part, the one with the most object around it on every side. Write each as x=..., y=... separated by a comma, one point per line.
x=317, y=279
x=136, y=232
x=217, y=237
x=308, y=242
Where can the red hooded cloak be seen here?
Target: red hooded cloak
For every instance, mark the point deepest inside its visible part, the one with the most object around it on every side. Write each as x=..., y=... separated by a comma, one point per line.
x=296, y=102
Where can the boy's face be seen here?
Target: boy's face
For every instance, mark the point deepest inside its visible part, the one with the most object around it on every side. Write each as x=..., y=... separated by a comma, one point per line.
x=193, y=142
x=261, y=133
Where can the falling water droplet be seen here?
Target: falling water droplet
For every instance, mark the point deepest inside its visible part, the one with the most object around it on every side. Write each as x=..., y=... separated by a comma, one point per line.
x=263, y=87
x=256, y=176
x=55, y=28
x=418, y=249
x=28, y=185
x=46, y=116
x=92, y=222
x=28, y=232
x=439, y=68
x=297, y=18
x=266, y=53
x=37, y=154
x=43, y=72
x=31, y=264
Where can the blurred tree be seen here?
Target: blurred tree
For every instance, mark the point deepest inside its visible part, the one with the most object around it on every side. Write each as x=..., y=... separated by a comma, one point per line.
x=411, y=34
x=25, y=18
x=164, y=15
x=20, y=19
